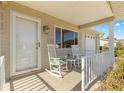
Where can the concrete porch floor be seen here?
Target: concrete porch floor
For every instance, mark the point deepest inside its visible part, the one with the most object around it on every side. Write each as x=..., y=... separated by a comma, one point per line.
x=44, y=81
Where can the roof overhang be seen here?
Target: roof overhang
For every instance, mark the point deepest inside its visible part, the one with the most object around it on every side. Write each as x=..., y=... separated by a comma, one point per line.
x=80, y=13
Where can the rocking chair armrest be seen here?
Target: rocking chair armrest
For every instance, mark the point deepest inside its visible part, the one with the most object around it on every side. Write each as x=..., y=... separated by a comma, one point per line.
x=54, y=60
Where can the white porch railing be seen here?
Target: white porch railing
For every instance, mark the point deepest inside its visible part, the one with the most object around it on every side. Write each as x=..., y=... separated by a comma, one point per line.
x=62, y=52
x=94, y=66
x=2, y=72
x=89, y=52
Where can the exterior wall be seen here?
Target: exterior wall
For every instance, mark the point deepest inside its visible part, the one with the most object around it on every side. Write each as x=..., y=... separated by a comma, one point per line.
x=83, y=32
x=4, y=38
x=103, y=42
x=106, y=43
x=45, y=38
x=120, y=42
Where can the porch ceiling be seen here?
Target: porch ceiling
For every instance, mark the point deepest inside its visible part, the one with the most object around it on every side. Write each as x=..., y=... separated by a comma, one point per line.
x=78, y=13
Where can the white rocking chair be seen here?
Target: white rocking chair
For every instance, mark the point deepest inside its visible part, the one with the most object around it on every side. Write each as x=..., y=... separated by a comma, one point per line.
x=57, y=65
x=76, y=53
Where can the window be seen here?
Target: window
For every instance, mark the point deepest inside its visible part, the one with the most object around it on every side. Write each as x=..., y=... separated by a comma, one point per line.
x=65, y=38
x=58, y=37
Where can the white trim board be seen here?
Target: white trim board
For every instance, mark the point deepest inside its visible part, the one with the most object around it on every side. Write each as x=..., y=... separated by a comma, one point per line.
x=13, y=15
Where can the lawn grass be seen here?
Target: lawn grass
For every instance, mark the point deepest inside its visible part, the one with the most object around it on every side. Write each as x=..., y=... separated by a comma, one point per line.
x=120, y=53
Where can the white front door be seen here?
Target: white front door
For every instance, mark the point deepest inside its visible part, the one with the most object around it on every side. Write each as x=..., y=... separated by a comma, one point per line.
x=90, y=44
x=26, y=44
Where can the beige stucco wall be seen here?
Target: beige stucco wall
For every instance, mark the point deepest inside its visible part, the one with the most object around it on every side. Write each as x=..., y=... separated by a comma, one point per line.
x=106, y=43
x=4, y=38
x=45, y=38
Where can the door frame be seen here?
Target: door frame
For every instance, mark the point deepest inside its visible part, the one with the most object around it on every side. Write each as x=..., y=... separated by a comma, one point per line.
x=13, y=15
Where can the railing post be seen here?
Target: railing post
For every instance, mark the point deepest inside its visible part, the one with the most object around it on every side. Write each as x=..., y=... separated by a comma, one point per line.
x=83, y=73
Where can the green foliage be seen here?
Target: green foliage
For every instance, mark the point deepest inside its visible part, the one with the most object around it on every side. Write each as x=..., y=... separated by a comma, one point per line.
x=103, y=48
x=120, y=51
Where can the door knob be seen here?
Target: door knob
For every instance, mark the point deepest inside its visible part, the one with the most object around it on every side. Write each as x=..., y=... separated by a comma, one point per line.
x=37, y=45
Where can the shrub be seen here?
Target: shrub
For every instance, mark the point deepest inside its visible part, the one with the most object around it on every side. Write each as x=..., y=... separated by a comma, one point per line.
x=103, y=48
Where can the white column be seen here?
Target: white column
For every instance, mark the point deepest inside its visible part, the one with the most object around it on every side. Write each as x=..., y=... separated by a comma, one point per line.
x=111, y=42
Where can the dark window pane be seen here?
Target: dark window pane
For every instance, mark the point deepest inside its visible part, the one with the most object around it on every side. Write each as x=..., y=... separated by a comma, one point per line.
x=76, y=38
x=67, y=38
x=58, y=36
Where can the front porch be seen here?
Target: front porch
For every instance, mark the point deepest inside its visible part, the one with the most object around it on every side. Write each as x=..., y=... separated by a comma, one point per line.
x=43, y=81
x=93, y=63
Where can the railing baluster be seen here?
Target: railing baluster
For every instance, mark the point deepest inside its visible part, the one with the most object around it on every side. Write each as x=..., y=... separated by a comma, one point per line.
x=89, y=68
x=83, y=72
x=94, y=66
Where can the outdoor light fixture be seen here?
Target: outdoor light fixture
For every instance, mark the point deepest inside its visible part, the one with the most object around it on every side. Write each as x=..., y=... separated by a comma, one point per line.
x=46, y=28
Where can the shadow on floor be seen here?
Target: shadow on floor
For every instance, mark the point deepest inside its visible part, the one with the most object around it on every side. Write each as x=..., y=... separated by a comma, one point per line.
x=77, y=87
x=30, y=83
x=43, y=81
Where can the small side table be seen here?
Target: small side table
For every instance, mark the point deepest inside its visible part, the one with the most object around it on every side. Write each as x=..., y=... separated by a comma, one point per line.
x=72, y=61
